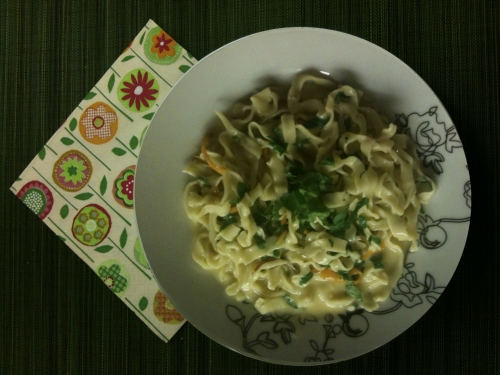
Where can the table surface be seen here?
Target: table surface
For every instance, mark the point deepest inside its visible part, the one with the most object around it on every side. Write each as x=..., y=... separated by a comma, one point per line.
x=56, y=316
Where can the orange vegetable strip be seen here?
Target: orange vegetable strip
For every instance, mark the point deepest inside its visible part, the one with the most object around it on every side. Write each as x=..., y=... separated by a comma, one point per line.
x=329, y=274
x=218, y=168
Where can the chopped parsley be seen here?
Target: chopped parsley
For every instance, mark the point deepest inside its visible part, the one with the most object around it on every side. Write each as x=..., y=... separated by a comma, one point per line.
x=377, y=261
x=375, y=239
x=362, y=221
x=300, y=144
x=276, y=254
x=226, y=221
x=305, y=279
x=353, y=291
x=332, y=253
x=204, y=180
x=328, y=161
x=350, y=289
x=276, y=142
x=290, y=301
x=259, y=241
x=316, y=122
x=236, y=138
x=241, y=189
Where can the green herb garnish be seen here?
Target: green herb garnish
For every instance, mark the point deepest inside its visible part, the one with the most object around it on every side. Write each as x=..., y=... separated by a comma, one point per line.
x=377, y=261
x=204, y=180
x=290, y=301
x=362, y=221
x=241, y=189
x=375, y=239
x=259, y=241
x=301, y=143
x=226, y=221
x=276, y=142
x=305, y=279
x=353, y=291
x=328, y=161
x=316, y=122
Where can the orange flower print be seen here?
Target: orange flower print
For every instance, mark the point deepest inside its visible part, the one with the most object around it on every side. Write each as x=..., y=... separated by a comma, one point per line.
x=163, y=45
x=161, y=48
x=98, y=123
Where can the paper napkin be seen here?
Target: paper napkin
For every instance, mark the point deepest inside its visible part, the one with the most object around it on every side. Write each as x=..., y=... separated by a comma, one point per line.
x=81, y=183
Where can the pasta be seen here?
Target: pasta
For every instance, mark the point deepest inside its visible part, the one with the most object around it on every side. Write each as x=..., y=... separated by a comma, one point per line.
x=306, y=201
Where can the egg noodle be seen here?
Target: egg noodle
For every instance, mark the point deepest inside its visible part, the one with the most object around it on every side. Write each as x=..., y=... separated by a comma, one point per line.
x=306, y=201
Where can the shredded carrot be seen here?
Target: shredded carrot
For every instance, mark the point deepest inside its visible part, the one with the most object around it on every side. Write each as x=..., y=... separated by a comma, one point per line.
x=284, y=220
x=368, y=254
x=329, y=274
x=218, y=168
x=281, y=237
x=233, y=210
x=314, y=270
x=358, y=273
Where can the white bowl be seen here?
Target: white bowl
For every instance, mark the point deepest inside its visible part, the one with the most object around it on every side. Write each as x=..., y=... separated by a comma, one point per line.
x=236, y=71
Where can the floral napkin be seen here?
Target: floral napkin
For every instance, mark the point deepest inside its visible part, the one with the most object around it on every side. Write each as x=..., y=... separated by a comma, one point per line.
x=81, y=183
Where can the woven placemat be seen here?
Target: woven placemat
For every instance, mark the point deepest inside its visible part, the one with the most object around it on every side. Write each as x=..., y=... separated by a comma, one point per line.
x=58, y=317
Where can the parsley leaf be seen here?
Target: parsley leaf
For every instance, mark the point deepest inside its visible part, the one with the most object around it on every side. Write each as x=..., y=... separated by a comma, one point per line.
x=377, y=261
x=204, y=181
x=259, y=241
x=353, y=291
x=226, y=221
x=328, y=161
x=242, y=189
x=316, y=122
x=362, y=221
x=290, y=301
x=277, y=142
x=305, y=279
x=375, y=239
x=301, y=143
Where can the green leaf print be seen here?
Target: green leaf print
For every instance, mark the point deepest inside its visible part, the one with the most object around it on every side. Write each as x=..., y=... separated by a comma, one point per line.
x=104, y=249
x=142, y=38
x=90, y=95
x=111, y=82
x=72, y=124
x=64, y=211
x=67, y=141
x=62, y=238
x=42, y=153
x=127, y=58
x=143, y=134
x=149, y=116
x=104, y=185
x=143, y=303
x=123, y=238
x=119, y=151
x=189, y=55
x=134, y=142
x=184, y=68
x=84, y=196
